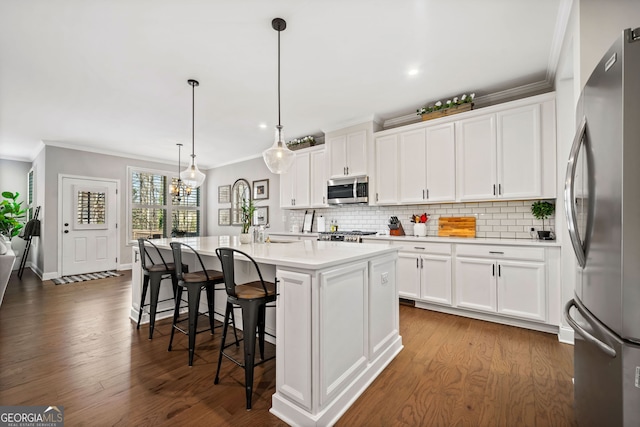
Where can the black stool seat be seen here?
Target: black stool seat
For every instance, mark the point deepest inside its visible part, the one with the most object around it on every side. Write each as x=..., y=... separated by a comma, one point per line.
x=252, y=298
x=155, y=270
x=194, y=283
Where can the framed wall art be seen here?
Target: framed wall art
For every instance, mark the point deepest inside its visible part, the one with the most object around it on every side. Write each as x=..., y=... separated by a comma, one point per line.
x=261, y=215
x=224, y=194
x=224, y=216
x=261, y=189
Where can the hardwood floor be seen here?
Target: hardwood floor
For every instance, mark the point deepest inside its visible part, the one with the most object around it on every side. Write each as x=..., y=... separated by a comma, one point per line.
x=74, y=345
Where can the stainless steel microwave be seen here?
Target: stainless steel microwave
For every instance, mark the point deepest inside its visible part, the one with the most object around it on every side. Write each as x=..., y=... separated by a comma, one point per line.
x=348, y=190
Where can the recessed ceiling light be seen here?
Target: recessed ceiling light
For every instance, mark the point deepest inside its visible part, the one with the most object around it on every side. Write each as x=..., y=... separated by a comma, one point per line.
x=262, y=125
x=413, y=72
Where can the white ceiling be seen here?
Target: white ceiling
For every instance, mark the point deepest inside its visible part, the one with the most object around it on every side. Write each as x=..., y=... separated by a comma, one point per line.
x=111, y=75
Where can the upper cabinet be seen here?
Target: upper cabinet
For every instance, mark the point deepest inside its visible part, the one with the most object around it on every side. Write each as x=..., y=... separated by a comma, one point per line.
x=318, y=179
x=348, y=154
x=509, y=154
x=386, y=172
x=427, y=159
x=295, y=184
x=505, y=151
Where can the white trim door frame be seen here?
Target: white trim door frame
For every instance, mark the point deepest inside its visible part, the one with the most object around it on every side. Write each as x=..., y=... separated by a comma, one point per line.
x=86, y=242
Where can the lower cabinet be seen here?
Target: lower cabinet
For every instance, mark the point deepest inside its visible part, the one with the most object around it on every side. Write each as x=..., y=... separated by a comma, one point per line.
x=425, y=273
x=510, y=282
x=496, y=284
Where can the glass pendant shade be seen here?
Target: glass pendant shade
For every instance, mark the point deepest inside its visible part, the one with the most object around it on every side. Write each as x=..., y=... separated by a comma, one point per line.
x=191, y=176
x=278, y=157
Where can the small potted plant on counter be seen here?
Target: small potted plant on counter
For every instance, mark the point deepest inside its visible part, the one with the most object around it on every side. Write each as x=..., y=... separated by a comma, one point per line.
x=248, y=208
x=543, y=210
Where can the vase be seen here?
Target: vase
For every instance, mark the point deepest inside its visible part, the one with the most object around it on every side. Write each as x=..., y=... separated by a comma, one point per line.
x=420, y=229
x=245, y=238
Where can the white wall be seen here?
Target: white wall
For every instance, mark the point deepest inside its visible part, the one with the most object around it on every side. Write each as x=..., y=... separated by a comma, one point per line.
x=58, y=161
x=13, y=177
x=601, y=23
x=251, y=170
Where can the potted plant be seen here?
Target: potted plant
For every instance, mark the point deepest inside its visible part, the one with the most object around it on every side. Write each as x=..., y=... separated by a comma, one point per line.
x=10, y=213
x=543, y=210
x=248, y=208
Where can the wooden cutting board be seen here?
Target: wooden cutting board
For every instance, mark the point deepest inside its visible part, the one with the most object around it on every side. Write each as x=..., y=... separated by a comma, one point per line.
x=457, y=226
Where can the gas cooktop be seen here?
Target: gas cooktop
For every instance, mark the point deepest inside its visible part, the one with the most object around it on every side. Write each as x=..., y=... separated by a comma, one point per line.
x=354, y=236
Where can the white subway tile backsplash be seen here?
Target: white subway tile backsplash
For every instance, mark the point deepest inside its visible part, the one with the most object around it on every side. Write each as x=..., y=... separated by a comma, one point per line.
x=503, y=219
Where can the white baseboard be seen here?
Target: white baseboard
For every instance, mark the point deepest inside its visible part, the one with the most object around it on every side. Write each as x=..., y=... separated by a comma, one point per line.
x=124, y=267
x=565, y=335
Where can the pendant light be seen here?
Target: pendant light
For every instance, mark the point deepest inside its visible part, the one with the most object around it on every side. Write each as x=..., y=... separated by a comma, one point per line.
x=179, y=189
x=278, y=158
x=192, y=176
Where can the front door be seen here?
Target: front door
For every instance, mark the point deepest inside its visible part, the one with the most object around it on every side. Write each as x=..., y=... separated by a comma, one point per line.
x=89, y=225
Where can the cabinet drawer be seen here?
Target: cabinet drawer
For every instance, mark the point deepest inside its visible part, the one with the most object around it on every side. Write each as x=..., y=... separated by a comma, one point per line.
x=427, y=248
x=499, y=252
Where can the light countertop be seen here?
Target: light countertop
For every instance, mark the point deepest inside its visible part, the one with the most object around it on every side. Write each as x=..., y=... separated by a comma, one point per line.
x=437, y=239
x=304, y=254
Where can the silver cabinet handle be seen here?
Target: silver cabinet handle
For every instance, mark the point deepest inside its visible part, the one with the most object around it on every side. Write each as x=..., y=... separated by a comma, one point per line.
x=376, y=197
x=569, y=193
x=499, y=270
x=496, y=252
x=494, y=189
x=323, y=200
x=493, y=270
x=500, y=189
x=422, y=194
x=417, y=261
x=427, y=193
x=421, y=263
x=418, y=247
x=605, y=348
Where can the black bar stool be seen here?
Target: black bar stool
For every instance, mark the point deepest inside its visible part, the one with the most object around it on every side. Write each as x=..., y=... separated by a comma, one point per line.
x=252, y=298
x=194, y=283
x=154, y=274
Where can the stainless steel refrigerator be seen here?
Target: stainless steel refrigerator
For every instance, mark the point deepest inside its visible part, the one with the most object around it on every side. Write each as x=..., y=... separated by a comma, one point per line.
x=602, y=201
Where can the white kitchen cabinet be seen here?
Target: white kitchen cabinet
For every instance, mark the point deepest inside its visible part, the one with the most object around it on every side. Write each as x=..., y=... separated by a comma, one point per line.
x=408, y=275
x=519, y=150
x=476, y=158
x=295, y=184
x=427, y=159
x=318, y=179
x=387, y=170
x=505, y=280
x=499, y=156
x=424, y=273
x=348, y=154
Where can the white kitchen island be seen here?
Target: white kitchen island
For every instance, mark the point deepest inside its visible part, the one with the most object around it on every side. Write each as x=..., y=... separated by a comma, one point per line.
x=336, y=319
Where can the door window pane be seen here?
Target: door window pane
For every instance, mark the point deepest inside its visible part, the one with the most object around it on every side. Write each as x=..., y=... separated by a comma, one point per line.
x=91, y=208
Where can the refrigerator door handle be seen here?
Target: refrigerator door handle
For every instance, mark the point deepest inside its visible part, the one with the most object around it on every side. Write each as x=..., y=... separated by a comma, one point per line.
x=569, y=193
x=605, y=348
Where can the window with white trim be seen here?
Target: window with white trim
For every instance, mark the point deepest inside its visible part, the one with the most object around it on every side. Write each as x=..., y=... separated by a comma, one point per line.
x=154, y=213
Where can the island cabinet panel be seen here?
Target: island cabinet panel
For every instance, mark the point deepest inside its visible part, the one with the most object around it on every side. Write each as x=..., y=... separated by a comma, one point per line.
x=293, y=331
x=383, y=296
x=343, y=322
